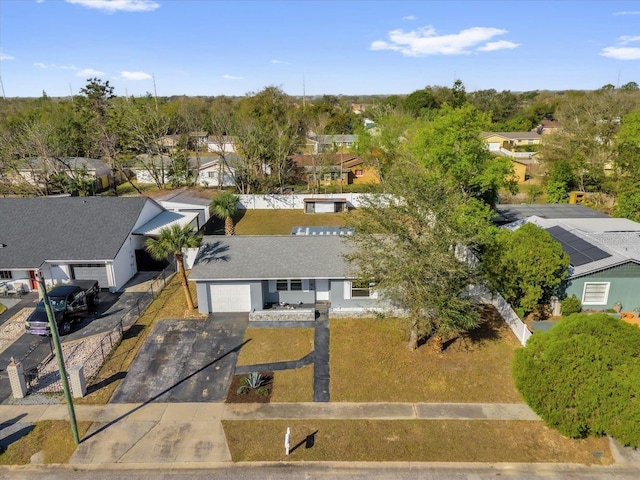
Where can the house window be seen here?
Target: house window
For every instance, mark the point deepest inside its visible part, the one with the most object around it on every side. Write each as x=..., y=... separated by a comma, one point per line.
x=296, y=285
x=212, y=174
x=5, y=275
x=358, y=173
x=361, y=289
x=595, y=293
x=282, y=285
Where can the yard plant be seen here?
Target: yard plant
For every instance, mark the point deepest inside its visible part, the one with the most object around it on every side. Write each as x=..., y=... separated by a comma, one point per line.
x=171, y=242
x=583, y=377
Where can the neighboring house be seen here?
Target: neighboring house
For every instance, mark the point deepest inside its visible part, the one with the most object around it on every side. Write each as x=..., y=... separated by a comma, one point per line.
x=167, y=143
x=547, y=126
x=605, y=259
x=65, y=238
x=333, y=143
x=333, y=168
x=519, y=171
x=519, y=145
x=221, y=144
x=252, y=273
x=211, y=171
x=37, y=170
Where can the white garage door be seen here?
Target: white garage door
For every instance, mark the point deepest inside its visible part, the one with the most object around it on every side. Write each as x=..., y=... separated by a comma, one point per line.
x=328, y=207
x=91, y=271
x=230, y=298
x=494, y=146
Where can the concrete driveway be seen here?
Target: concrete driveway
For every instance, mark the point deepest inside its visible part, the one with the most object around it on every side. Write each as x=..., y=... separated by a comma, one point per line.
x=185, y=361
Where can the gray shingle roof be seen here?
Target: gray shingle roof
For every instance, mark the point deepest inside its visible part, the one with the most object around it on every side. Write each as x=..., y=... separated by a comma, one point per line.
x=507, y=213
x=271, y=257
x=64, y=228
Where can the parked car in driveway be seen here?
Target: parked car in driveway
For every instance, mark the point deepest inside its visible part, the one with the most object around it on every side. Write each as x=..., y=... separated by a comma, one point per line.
x=69, y=302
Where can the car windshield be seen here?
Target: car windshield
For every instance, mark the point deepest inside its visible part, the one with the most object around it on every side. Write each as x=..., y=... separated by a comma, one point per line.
x=58, y=303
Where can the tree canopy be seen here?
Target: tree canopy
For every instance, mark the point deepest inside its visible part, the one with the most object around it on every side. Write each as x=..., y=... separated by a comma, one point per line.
x=526, y=266
x=583, y=377
x=171, y=242
x=409, y=244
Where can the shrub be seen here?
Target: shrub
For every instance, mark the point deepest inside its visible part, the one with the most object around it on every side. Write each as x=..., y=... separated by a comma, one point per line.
x=252, y=381
x=570, y=305
x=583, y=377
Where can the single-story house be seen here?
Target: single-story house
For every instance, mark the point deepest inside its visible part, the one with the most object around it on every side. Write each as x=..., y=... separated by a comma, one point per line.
x=605, y=259
x=38, y=171
x=251, y=273
x=65, y=238
x=332, y=168
x=508, y=140
x=332, y=143
x=221, y=144
x=211, y=171
x=547, y=126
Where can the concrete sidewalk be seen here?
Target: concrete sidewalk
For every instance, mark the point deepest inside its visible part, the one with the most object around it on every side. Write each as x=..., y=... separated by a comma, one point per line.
x=191, y=433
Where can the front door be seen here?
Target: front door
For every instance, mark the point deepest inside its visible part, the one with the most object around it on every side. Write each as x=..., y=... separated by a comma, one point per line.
x=322, y=290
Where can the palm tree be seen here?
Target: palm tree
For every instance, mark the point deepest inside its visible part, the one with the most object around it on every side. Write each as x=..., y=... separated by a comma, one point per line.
x=224, y=205
x=171, y=241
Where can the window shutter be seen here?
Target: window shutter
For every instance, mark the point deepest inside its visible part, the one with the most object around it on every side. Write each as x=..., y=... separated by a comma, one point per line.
x=272, y=286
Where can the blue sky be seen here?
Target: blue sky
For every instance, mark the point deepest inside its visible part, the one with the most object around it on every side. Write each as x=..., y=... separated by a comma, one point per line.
x=201, y=47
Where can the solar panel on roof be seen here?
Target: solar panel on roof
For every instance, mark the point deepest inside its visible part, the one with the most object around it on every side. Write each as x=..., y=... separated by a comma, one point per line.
x=579, y=250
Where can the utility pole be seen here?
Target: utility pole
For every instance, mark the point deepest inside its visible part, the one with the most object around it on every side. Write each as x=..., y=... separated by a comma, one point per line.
x=155, y=93
x=2, y=86
x=63, y=372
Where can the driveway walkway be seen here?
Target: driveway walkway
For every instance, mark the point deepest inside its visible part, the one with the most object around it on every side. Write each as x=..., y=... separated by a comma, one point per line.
x=185, y=361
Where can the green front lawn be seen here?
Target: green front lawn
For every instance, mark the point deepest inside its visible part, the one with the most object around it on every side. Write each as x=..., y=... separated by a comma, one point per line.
x=280, y=222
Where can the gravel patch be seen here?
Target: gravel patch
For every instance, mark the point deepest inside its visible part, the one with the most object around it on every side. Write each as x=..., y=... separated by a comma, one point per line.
x=13, y=328
x=88, y=352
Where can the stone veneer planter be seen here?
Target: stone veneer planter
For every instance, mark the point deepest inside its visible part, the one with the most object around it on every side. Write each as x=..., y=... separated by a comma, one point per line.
x=283, y=315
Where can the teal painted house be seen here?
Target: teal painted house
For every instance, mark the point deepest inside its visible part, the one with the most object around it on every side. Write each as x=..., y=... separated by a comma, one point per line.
x=605, y=259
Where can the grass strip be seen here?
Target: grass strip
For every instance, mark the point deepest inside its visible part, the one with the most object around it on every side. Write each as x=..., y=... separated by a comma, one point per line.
x=51, y=437
x=410, y=441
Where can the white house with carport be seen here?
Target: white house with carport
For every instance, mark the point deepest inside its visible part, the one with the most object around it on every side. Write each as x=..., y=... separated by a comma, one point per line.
x=252, y=273
x=65, y=238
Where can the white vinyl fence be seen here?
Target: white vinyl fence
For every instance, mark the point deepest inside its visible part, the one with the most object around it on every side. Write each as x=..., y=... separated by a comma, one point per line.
x=293, y=201
x=518, y=327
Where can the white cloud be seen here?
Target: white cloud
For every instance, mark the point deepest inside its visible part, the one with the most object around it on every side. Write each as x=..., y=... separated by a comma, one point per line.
x=627, y=13
x=625, y=39
x=426, y=41
x=55, y=66
x=89, y=72
x=499, y=45
x=409, y=17
x=621, y=53
x=135, y=75
x=112, y=6
x=231, y=77
x=282, y=62
x=6, y=56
